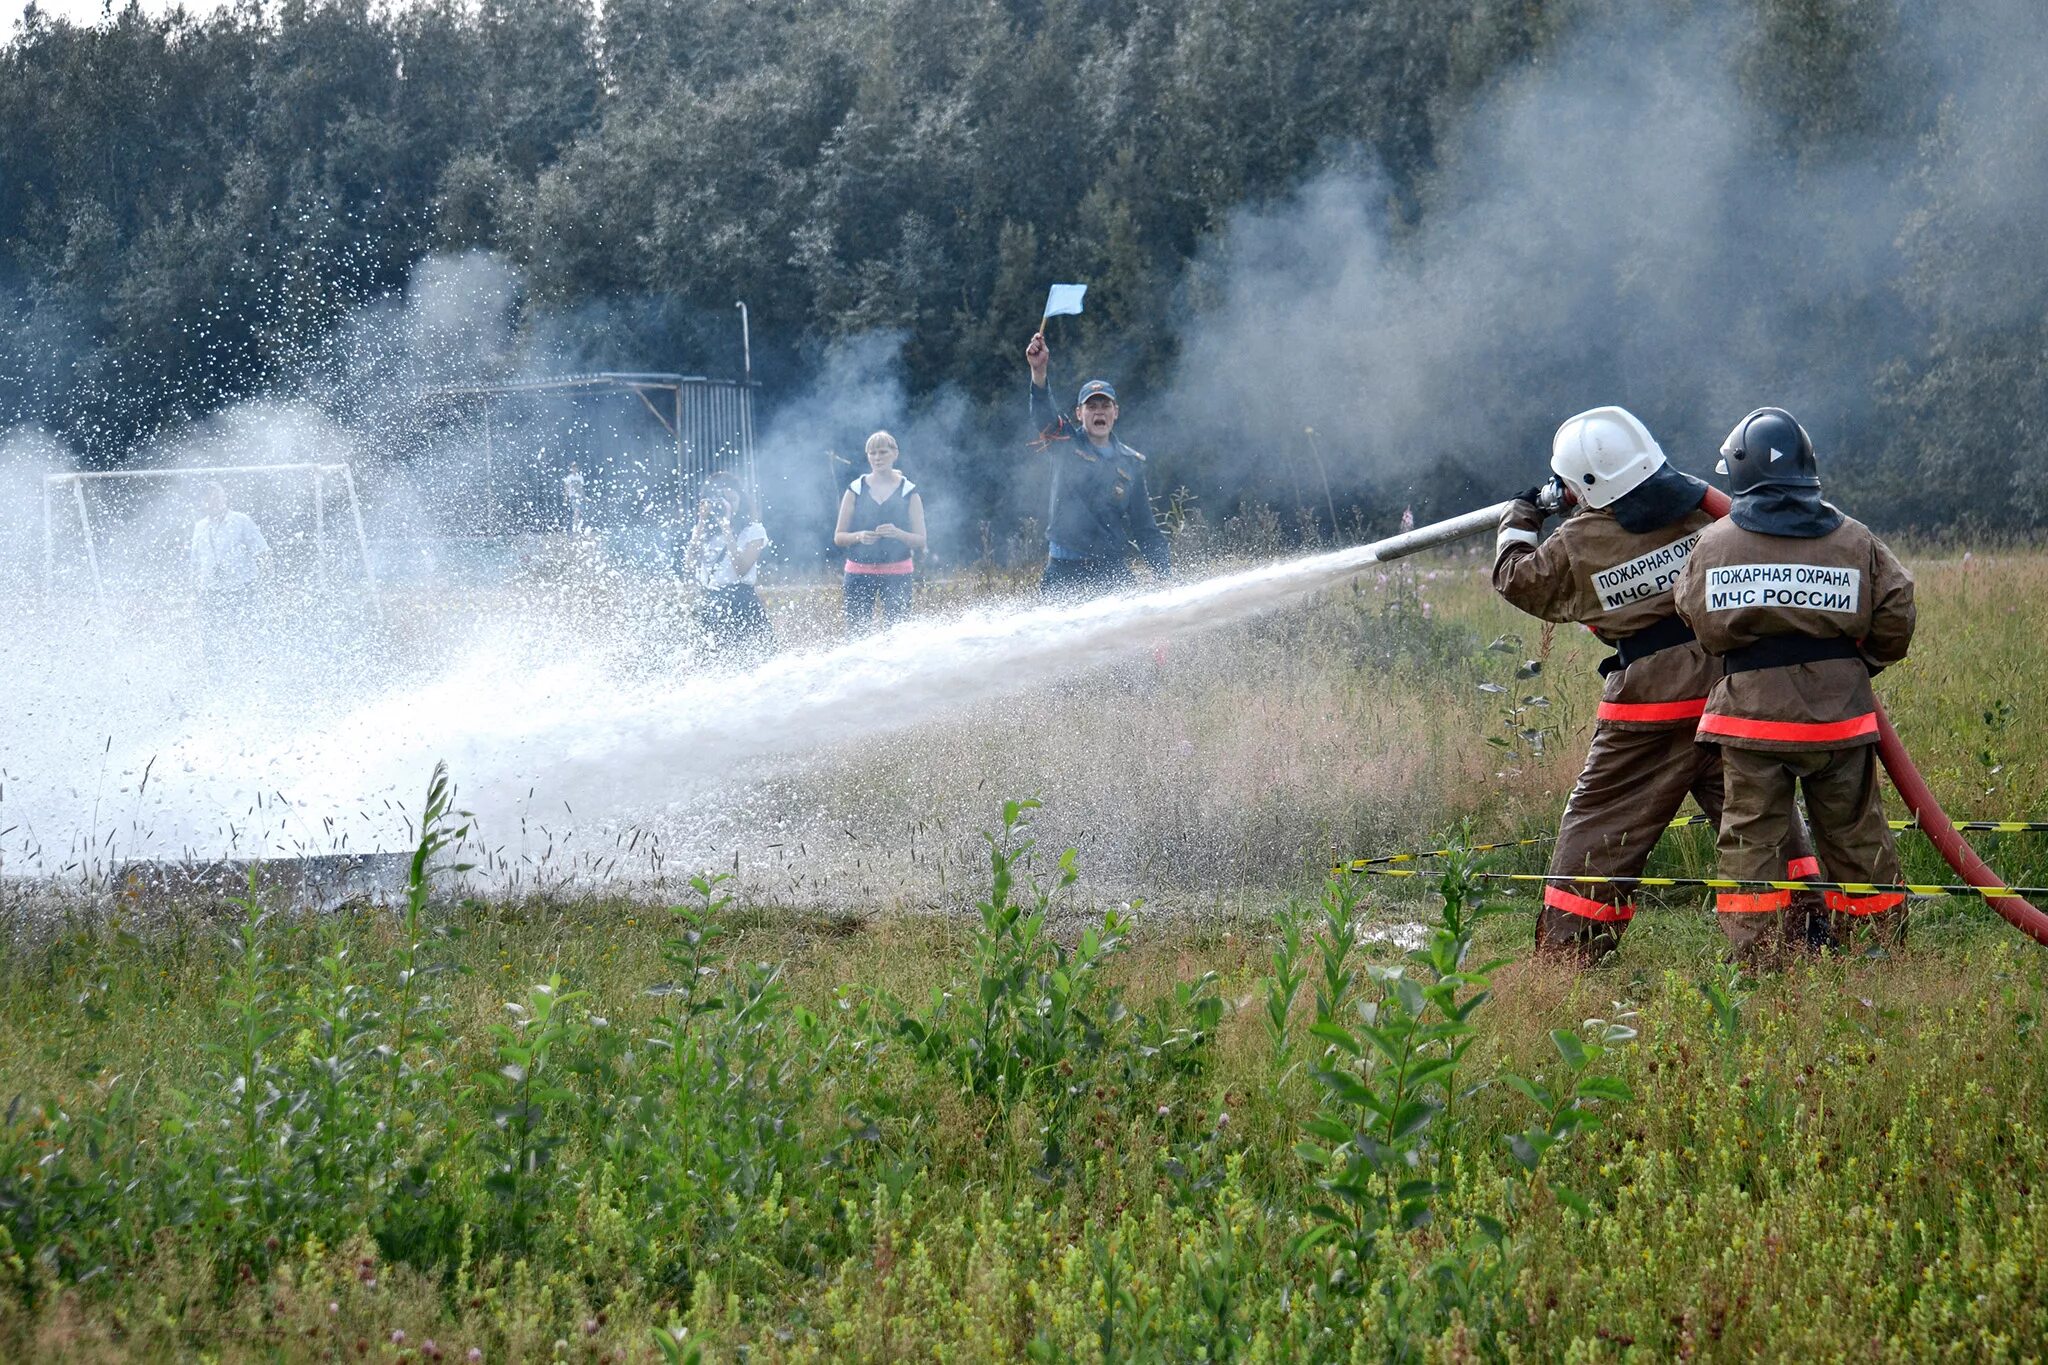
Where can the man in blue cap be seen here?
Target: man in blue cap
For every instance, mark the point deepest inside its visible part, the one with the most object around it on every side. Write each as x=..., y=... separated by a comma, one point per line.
x=1101, y=510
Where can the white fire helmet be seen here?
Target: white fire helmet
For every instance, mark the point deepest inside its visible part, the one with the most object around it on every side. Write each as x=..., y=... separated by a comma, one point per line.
x=1604, y=454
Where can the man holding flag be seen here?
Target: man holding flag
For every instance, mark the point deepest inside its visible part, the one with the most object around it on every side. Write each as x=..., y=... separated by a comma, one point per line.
x=1101, y=509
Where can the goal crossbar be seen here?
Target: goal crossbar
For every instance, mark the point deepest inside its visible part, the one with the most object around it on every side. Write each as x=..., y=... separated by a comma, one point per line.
x=180, y=471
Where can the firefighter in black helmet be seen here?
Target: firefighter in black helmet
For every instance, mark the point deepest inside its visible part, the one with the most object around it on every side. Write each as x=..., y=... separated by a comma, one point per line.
x=1803, y=605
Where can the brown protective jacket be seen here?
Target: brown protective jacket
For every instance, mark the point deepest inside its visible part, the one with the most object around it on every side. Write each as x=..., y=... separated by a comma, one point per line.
x=1615, y=582
x=1741, y=587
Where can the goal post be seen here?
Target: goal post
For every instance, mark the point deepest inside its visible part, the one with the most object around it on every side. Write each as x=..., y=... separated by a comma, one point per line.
x=319, y=478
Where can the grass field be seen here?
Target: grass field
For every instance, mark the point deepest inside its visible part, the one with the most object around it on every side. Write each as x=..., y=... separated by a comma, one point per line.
x=1011, y=1117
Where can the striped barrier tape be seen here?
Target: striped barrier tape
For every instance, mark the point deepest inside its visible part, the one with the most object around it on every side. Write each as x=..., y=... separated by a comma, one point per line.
x=1682, y=822
x=1981, y=826
x=1728, y=883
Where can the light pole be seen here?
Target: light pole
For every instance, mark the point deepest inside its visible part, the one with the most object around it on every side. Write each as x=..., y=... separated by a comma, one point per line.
x=746, y=395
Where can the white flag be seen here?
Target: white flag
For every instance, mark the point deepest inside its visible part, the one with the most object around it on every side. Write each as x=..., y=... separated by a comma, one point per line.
x=1063, y=299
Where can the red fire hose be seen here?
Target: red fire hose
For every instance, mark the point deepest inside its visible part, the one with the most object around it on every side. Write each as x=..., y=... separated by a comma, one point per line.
x=1934, y=822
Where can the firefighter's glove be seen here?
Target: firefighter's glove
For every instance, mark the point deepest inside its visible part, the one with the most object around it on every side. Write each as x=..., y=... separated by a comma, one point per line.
x=1547, y=498
x=1534, y=505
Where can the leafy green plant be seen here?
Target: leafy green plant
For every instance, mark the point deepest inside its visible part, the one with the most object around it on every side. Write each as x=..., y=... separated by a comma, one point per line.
x=253, y=1081
x=1037, y=1008
x=413, y=1216
x=726, y=1125
x=676, y=1347
x=1525, y=732
x=1725, y=995
x=1573, y=1102
x=523, y=1141
x=415, y=1019
x=1169, y=1039
x=1391, y=1059
x=1218, y=1274
x=1396, y=1042
x=1282, y=988
x=342, y=1027
x=1335, y=943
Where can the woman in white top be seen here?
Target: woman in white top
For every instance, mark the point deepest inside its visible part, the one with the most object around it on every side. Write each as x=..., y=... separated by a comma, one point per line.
x=725, y=557
x=881, y=522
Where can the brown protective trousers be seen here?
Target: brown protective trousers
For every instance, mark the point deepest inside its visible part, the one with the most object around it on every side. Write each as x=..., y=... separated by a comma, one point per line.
x=1628, y=793
x=1846, y=815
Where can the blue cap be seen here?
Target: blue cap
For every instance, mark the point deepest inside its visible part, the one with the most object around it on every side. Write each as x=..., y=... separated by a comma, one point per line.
x=1093, y=387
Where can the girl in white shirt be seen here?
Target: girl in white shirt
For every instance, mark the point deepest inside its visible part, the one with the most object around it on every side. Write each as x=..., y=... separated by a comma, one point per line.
x=725, y=559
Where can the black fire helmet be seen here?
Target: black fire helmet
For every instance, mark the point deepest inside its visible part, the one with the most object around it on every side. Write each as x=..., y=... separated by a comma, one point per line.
x=1768, y=448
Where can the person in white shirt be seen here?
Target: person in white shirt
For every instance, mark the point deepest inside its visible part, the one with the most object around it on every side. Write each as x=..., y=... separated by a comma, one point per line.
x=228, y=557
x=228, y=552
x=724, y=557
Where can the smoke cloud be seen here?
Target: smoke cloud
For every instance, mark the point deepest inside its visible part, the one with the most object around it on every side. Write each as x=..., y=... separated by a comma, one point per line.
x=1623, y=222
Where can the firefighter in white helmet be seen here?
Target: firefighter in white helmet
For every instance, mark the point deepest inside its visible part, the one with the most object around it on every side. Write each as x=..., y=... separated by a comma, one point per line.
x=1610, y=566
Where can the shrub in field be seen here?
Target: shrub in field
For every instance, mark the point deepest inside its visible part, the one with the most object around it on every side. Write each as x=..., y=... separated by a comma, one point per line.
x=1029, y=1008
x=1036, y=1020
x=525, y=1134
x=1396, y=1035
x=250, y=1118
x=1396, y=1040
x=739, y=1069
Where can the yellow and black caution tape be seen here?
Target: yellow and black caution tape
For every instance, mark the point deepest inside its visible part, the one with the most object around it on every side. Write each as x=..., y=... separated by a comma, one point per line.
x=1979, y=826
x=1682, y=822
x=1729, y=883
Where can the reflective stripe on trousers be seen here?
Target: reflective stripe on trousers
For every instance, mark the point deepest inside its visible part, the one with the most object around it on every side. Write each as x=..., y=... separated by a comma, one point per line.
x=1767, y=902
x=1847, y=903
x=1557, y=898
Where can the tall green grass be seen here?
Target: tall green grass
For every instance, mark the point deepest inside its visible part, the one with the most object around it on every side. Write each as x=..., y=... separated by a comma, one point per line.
x=1040, y=1136
x=1044, y=1130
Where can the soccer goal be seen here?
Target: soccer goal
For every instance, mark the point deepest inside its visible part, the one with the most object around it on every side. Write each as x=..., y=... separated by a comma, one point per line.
x=319, y=500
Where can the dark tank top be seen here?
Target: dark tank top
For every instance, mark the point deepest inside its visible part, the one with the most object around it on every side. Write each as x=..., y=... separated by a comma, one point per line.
x=869, y=515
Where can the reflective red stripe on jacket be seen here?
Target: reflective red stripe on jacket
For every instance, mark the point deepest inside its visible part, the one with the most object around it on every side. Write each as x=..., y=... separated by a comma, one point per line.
x=1652, y=711
x=1789, y=731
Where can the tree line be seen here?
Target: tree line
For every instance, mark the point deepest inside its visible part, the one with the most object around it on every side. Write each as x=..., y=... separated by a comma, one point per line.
x=190, y=204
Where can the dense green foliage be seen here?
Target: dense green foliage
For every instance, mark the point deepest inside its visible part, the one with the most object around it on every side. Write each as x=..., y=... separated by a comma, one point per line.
x=189, y=205
x=1061, y=1153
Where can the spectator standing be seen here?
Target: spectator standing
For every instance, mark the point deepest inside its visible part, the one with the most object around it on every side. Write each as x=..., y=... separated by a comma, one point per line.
x=228, y=556
x=881, y=525
x=1101, y=510
x=724, y=555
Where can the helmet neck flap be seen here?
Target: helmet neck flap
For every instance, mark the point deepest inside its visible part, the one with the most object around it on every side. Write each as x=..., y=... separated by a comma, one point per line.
x=1666, y=496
